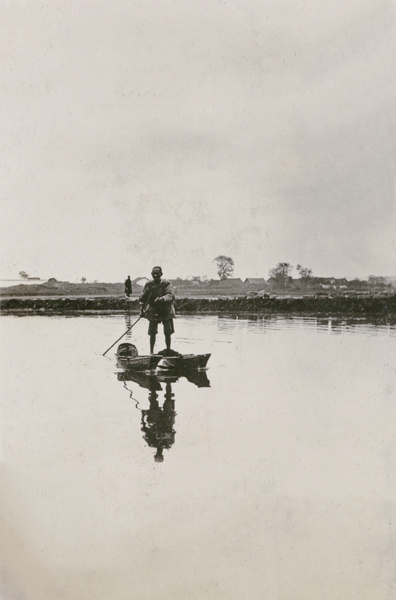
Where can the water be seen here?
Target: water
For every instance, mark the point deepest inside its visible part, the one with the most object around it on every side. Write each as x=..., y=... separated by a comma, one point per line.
x=277, y=480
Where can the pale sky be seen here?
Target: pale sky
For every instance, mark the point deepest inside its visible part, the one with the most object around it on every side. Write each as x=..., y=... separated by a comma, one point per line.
x=168, y=132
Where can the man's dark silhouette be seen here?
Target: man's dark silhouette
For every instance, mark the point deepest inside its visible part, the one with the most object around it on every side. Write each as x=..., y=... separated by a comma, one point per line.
x=128, y=286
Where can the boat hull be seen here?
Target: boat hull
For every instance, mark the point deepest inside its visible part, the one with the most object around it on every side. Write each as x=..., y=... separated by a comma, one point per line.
x=184, y=362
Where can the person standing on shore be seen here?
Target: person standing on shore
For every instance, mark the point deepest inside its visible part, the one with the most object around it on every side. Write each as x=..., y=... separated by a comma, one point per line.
x=128, y=286
x=157, y=302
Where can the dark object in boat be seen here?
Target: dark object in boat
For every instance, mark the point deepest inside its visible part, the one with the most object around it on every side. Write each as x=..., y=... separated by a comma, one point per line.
x=127, y=350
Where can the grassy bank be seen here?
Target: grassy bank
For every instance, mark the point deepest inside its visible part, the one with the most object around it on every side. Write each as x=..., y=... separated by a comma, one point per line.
x=383, y=308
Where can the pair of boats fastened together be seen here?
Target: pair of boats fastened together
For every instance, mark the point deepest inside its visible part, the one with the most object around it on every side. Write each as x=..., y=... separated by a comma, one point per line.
x=166, y=361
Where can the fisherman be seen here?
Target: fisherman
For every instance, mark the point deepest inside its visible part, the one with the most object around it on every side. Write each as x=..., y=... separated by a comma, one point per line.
x=128, y=286
x=157, y=302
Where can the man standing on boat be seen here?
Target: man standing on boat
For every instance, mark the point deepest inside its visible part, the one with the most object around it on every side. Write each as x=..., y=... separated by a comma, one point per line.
x=157, y=302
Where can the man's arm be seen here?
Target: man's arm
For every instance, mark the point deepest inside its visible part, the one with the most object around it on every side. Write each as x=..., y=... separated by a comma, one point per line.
x=145, y=294
x=168, y=295
x=144, y=299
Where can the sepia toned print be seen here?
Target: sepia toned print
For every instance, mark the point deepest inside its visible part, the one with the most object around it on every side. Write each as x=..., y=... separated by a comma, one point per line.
x=197, y=300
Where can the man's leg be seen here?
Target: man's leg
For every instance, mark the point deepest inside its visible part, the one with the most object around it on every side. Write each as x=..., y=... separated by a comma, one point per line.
x=168, y=341
x=152, y=330
x=168, y=330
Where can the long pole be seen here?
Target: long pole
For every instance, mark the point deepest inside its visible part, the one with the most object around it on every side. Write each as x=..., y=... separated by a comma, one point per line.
x=129, y=329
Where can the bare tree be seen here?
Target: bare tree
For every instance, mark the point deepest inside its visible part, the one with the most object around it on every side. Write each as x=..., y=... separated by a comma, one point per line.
x=304, y=272
x=225, y=266
x=23, y=275
x=281, y=273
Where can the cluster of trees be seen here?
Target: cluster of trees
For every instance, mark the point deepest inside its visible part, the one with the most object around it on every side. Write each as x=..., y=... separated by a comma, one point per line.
x=225, y=269
x=280, y=274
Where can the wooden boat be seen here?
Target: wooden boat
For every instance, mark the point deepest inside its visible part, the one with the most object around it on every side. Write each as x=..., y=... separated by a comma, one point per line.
x=129, y=360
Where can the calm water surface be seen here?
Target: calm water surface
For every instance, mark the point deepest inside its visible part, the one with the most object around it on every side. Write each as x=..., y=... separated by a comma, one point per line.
x=278, y=471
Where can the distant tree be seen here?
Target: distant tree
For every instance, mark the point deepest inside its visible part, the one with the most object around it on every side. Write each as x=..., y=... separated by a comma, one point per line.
x=304, y=272
x=281, y=273
x=83, y=279
x=23, y=275
x=225, y=266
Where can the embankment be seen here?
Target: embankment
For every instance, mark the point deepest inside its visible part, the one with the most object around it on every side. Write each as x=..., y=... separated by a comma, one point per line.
x=382, y=307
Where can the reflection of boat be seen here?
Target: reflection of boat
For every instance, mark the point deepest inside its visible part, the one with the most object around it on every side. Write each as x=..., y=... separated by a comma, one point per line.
x=128, y=359
x=153, y=382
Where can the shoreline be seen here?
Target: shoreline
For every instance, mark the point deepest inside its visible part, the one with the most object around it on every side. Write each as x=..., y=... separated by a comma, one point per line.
x=383, y=308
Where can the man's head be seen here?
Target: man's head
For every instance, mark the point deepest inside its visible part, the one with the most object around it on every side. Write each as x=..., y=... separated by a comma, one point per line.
x=156, y=273
x=159, y=456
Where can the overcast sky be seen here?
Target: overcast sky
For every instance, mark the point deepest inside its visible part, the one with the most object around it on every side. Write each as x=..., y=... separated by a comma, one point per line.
x=168, y=132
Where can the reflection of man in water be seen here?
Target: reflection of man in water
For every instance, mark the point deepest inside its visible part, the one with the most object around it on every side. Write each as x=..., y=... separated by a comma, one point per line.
x=157, y=423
